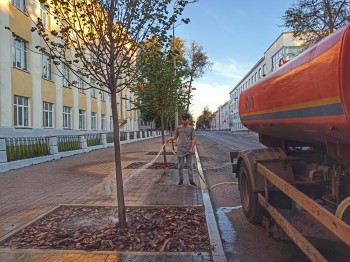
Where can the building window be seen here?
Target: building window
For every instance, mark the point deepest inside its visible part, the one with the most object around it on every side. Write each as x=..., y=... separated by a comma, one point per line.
x=20, y=4
x=65, y=75
x=103, y=95
x=264, y=70
x=44, y=15
x=82, y=119
x=81, y=85
x=19, y=53
x=46, y=62
x=276, y=58
x=291, y=51
x=93, y=121
x=93, y=89
x=48, y=115
x=21, y=111
x=67, y=117
x=259, y=74
x=103, y=122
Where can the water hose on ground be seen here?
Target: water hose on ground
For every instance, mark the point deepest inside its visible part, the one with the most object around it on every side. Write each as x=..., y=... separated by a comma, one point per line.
x=200, y=177
x=206, y=184
x=223, y=183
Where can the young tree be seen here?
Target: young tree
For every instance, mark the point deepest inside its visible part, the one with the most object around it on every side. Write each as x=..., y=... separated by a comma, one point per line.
x=204, y=120
x=198, y=62
x=159, y=93
x=312, y=20
x=98, y=40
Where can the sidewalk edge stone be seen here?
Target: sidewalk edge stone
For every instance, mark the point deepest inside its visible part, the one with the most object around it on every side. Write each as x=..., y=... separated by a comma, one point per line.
x=214, y=235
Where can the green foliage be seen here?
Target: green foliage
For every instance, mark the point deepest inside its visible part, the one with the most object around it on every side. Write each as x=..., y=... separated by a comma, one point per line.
x=123, y=136
x=68, y=146
x=198, y=61
x=110, y=138
x=159, y=94
x=93, y=141
x=204, y=120
x=18, y=152
x=312, y=20
x=104, y=37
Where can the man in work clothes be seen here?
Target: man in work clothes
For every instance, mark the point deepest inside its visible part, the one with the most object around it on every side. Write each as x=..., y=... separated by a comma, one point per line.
x=186, y=140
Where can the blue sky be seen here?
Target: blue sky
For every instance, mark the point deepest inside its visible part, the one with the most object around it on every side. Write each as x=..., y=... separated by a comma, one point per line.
x=234, y=34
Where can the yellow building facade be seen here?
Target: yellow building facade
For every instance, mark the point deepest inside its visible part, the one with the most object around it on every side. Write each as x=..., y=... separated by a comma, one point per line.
x=35, y=99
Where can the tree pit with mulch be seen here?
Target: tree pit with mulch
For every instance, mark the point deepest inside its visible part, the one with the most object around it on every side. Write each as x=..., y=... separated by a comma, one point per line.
x=155, y=165
x=162, y=153
x=92, y=228
x=156, y=153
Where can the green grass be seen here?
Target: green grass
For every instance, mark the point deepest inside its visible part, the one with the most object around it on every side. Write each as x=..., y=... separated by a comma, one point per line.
x=93, y=142
x=19, y=152
x=68, y=146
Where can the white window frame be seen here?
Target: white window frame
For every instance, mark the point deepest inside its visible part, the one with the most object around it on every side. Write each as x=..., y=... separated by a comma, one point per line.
x=275, y=59
x=46, y=64
x=20, y=4
x=19, y=53
x=44, y=15
x=103, y=122
x=93, y=121
x=103, y=95
x=259, y=74
x=81, y=85
x=92, y=88
x=21, y=105
x=66, y=79
x=48, y=115
x=67, y=117
x=82, y=119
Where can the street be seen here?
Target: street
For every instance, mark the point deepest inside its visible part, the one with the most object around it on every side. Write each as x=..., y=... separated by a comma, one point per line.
x=241, y=240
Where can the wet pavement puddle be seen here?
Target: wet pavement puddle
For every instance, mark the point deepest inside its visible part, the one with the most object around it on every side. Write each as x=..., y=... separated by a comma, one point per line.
x=228, y=233
x=223, y=165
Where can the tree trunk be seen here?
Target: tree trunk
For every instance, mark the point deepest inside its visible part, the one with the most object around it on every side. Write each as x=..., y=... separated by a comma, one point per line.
x=169, y=126
x=163, y=138
x=189, y=95
x=118, y=166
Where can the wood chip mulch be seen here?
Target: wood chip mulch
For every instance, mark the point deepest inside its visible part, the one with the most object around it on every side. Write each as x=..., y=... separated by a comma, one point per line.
x=156, y=165
x=90, y=228
x=162, y=154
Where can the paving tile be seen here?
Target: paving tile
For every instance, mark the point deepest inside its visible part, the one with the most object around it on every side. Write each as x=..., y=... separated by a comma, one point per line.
x=9, y=256
x=89, y=179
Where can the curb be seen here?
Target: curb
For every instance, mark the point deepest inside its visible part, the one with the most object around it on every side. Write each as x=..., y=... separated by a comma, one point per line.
x=214, y=235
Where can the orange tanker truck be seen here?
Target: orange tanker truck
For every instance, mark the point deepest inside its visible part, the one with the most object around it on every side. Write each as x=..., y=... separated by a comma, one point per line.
x=302, y=115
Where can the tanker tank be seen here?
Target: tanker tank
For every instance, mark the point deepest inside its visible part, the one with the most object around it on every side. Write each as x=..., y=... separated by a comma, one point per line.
x=306, y=101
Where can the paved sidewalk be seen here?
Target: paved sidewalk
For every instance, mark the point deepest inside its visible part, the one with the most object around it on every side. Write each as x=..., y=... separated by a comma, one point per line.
x=89, y=179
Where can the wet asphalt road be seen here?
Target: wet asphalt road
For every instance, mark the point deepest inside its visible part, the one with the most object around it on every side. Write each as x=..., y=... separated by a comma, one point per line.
x=241, y=240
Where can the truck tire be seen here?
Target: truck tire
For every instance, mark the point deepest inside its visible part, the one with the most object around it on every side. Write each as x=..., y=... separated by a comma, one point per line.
x=253, y=211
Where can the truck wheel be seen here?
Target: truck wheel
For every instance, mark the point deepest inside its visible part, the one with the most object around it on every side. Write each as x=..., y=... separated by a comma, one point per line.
x=251, y=207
